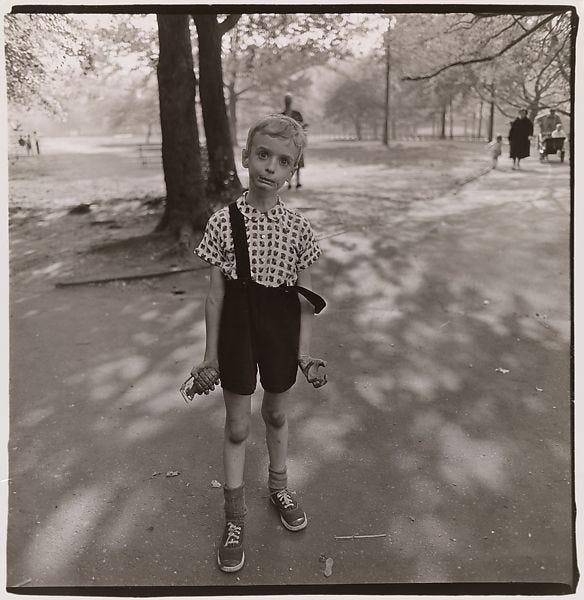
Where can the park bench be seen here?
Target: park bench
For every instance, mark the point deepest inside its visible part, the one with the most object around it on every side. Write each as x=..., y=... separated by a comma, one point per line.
x=150, y=154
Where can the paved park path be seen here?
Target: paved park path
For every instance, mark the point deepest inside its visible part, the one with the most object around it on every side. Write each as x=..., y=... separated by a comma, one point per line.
x=445, y=425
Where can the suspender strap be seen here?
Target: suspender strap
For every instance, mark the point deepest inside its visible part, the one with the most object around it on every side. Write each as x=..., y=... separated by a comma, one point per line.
x=317, y=301
x=240, y=243
x=242, y=258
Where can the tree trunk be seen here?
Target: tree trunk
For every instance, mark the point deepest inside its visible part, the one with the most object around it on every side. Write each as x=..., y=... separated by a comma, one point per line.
x=492, y=114
x=358, y=129
x=451, y=119
x=186, y=206
x=480, y=120
x=387, y=83
x=223, y=184
x=233, y=112
x=443, y=123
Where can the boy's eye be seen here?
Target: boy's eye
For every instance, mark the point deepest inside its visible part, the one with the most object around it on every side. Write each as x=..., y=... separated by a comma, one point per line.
x=284, y=162
x=263, y=154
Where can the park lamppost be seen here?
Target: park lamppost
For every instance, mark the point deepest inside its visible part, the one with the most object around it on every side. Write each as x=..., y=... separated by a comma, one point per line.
x=390, y=25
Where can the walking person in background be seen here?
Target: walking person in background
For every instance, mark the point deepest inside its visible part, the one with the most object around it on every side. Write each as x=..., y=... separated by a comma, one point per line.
x=35, y=139
x=549, y=122
x=496, y=149
x=297, y=116
x=28, y=145
x=520, y=138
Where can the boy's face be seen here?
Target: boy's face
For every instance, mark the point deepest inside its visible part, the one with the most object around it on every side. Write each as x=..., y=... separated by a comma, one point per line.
x=270, y=162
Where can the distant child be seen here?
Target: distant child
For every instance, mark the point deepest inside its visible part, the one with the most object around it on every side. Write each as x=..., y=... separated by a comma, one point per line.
x=496, y=149
x=258, y=315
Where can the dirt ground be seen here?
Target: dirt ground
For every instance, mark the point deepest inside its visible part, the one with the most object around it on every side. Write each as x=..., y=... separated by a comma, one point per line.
x=446, y=425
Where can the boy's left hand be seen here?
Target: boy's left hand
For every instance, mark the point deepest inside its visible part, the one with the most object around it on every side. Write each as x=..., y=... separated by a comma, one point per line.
x=313, y=369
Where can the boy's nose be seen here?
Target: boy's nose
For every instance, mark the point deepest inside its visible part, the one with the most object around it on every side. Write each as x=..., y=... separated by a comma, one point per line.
x=271, y=166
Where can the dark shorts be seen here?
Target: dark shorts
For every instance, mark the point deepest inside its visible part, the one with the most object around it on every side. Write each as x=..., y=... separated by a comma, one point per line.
x=259, y=328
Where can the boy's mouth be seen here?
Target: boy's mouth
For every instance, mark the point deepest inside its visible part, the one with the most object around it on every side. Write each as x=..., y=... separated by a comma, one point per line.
x=266, y=180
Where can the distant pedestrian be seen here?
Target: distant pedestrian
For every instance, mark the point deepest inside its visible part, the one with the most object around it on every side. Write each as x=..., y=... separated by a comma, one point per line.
x=297, y=116
x=28, y=145
x=260, y=252
x=496, y=149
x=547, y=123
x=35, y=139
x=520, y=138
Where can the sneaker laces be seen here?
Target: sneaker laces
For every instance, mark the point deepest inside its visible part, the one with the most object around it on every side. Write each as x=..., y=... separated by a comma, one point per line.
x=233, y=533
x=285, y=499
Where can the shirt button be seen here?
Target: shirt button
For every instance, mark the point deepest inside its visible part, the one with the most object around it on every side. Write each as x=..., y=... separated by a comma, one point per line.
x=263, y=235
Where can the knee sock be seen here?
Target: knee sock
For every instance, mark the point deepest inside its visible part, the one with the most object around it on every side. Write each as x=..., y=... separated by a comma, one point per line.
x=235, y=507
x=277, y=480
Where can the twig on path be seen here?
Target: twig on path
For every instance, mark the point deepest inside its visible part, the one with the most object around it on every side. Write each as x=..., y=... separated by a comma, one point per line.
x=61, y=284
x=358, y=537
x=473, y=177
x=23, y=583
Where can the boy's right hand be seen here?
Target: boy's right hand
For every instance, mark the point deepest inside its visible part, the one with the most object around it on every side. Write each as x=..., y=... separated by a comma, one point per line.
x=205, y=377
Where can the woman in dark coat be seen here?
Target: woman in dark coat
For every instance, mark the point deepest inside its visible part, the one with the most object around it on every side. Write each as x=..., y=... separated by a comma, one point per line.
x=519, y=134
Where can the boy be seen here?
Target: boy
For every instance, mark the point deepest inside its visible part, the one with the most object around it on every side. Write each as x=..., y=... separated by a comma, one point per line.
x=496, y=149
x=260, y=253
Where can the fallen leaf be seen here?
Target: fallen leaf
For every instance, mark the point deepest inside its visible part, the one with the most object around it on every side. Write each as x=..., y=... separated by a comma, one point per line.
x=328, y=567
x=501, y=370
x=172, y=473
x=215, y=484
x=539, y=389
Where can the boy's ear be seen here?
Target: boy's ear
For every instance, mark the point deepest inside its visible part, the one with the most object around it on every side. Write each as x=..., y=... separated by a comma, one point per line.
x=244, y=158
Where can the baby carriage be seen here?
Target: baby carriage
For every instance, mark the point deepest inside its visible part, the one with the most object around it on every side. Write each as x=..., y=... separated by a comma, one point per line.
x=550, y=145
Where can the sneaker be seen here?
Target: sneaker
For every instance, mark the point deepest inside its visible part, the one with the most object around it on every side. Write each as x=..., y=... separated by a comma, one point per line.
x=230, y=555
x=291, y=515
x=298, y=185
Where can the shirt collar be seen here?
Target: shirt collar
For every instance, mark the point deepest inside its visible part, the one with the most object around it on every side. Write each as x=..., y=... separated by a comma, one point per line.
x=252, y=213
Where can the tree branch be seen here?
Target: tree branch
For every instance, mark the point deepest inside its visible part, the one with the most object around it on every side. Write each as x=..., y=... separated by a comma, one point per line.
x=228, y=23
x=518, y=22
x=461, y=63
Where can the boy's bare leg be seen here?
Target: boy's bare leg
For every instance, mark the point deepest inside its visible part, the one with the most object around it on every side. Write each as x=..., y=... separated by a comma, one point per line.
x=274, y=416
x=230, y=553
x=237, y=417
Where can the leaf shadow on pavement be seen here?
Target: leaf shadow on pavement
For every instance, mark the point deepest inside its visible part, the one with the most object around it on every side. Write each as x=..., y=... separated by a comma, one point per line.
x=417, y=436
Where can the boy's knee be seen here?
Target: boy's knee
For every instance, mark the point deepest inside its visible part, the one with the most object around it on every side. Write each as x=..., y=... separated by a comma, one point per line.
x=238, y=431
x=274, y=418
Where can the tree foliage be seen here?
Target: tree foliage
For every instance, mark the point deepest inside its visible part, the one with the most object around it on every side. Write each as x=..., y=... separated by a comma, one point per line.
x=358, y=98
x=525, y=57
x=43, y=51
x=270, y=54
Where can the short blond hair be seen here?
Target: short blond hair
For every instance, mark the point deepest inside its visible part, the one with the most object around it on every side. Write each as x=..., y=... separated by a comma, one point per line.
x=282, y=126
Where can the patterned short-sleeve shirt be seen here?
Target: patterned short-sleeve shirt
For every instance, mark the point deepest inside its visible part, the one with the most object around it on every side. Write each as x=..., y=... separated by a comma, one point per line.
x=280, y=243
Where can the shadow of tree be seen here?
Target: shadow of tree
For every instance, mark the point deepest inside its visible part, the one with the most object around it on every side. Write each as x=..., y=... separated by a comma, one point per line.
x=418, y=435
